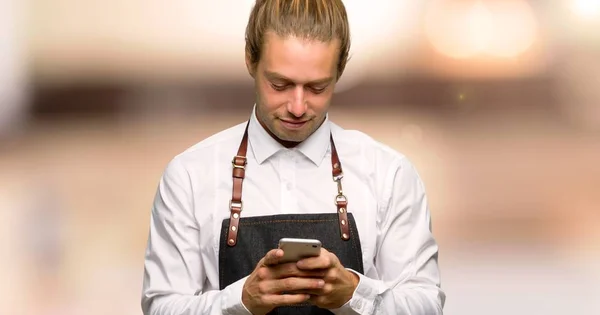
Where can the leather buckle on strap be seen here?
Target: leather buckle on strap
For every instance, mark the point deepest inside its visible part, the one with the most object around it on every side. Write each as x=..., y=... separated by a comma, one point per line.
x=235, y=165
x=236, y=204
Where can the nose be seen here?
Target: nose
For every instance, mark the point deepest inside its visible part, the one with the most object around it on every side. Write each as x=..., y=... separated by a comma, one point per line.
x=297, y=105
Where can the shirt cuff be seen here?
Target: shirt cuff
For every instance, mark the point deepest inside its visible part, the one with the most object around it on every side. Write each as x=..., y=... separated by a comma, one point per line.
x=363, y=299
x=232, y=299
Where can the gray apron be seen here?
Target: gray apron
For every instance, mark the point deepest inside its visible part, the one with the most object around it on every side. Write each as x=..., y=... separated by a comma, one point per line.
x=244, y=241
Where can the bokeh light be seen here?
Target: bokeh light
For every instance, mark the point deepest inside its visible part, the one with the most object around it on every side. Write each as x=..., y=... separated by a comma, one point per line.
x=515, y=28
x=465, y=29
x=587, y=9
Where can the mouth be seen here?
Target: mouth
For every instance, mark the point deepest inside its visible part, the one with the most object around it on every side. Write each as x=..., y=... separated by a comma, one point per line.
x=291, y=124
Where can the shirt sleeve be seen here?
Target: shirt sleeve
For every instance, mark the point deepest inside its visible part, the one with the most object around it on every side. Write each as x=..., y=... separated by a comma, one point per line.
x=173, y=271
x=406, y=257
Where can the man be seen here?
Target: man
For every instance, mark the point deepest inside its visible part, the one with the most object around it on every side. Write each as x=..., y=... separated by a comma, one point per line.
x=223, y=204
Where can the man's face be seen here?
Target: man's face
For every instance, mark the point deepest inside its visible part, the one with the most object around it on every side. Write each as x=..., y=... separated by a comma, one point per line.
x=294, y=82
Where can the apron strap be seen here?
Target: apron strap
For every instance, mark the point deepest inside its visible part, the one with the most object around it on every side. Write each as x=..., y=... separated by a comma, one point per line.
x=341, y=201
x=236, y=205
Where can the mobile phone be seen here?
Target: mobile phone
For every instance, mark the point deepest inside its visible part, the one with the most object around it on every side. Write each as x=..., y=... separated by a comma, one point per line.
x=295, y=249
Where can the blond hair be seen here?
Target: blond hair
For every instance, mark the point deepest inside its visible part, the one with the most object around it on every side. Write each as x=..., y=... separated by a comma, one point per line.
x=323, y=20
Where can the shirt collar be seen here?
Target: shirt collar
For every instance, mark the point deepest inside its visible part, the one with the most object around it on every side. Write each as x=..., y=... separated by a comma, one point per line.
x=263, y=146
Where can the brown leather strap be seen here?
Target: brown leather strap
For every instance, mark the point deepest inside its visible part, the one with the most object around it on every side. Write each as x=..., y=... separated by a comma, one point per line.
x=341, y=201
x=335, y=160
x=236, y=205
x=239, y=171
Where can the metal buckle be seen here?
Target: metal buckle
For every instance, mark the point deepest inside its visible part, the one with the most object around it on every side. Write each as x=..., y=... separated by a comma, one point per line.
x=239, y=166
x=340, y=198
x=339, y=188
x=236, y=204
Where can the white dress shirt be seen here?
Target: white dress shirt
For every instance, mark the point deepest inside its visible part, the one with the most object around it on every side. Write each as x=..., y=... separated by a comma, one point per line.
x=385, y=195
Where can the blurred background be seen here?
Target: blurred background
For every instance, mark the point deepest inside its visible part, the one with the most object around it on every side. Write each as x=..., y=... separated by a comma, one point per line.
x=496, y=102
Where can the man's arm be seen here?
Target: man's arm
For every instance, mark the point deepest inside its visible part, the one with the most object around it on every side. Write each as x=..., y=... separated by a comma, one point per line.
x=173, y=271
x=406, y=258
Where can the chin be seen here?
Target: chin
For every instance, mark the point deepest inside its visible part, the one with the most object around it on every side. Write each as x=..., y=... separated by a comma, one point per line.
x=291, y=137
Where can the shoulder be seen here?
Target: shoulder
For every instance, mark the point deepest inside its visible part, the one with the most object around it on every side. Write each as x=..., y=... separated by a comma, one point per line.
x=391, y=173
x=357, y=142
x=385, y=166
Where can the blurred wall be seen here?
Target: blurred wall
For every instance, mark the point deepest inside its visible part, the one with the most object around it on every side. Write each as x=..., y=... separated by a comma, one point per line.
x=495, y=101
x=13, y=71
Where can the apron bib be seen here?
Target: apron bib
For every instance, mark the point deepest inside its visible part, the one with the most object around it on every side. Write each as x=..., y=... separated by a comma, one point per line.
x=244, y=241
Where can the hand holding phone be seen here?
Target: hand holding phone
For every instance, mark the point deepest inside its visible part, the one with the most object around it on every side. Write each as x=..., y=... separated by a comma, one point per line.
x=295, y=249
x=274, y=283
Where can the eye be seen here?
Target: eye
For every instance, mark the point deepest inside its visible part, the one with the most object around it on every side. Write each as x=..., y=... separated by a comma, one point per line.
x=317, y=90
x=278, y=87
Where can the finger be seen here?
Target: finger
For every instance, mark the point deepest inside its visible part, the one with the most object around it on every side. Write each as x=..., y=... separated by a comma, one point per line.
x=312, y=292
x=328, y=288
x=325, y=260
x=291, y=270
x=272, y=257
x=287, y=270
x=284, y=299
x=293, y=284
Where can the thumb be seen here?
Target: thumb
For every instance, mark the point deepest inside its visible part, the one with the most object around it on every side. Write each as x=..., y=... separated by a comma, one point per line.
x=272, y=257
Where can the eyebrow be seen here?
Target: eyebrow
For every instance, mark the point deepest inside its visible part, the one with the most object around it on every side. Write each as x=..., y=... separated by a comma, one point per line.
x=276, y=76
